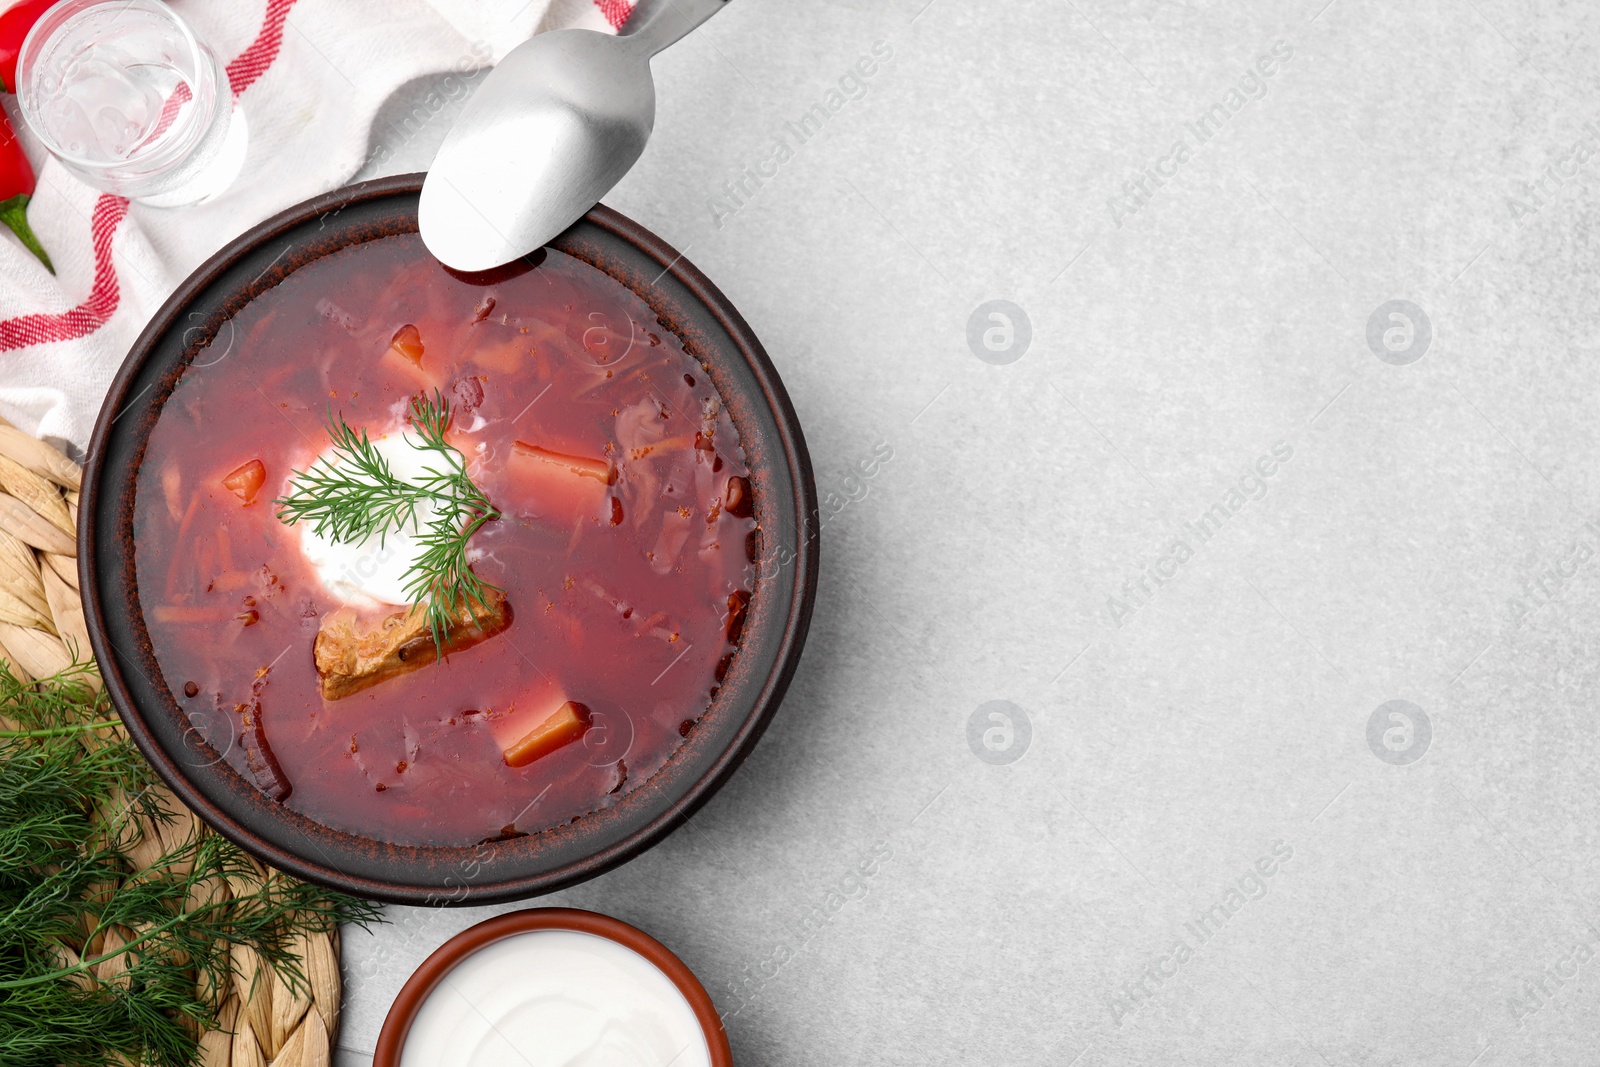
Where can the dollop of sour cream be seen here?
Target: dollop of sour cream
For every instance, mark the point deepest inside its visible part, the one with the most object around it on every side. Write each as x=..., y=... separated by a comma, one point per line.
x=373, y=572
x=555, y=998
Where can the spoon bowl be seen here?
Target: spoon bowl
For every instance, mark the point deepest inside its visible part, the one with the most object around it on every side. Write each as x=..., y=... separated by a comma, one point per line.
x=557, y=123
x=553, y=127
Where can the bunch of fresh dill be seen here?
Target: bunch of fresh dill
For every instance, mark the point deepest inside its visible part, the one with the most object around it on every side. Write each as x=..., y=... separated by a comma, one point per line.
x=75, y=799
x=353, y=495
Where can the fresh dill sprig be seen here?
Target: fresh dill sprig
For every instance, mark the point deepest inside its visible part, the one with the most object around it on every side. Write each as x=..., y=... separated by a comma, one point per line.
x=75, y=806
x=355, y=495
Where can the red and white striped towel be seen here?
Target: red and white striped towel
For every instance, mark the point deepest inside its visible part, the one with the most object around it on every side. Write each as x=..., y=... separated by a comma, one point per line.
x=309, y=76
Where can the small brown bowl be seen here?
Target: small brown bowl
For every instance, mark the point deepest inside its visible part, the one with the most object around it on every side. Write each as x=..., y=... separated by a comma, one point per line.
x=392, y=1039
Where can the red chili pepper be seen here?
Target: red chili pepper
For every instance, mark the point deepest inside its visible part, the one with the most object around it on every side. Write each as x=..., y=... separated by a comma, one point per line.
x=16, y=188
x=15, y=22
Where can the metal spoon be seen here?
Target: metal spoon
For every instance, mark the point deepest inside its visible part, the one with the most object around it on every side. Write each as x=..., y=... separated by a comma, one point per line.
x=552, y=128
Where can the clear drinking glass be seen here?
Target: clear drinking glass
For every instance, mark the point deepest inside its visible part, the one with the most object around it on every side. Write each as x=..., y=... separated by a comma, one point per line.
x=130, y=101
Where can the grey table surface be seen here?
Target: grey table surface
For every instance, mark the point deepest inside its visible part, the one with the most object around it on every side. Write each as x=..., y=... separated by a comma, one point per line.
x=1289, y=416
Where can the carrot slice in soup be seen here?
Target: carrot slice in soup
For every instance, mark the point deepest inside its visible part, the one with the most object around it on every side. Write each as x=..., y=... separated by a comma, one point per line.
x=559, y=730
x=404, y=358
x=246, y=481
x=559, y=485
x=407, y=343
x=598, y=469
x=539, y=699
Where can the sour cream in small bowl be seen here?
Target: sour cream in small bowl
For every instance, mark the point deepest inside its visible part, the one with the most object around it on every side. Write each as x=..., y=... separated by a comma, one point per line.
x=548, y=987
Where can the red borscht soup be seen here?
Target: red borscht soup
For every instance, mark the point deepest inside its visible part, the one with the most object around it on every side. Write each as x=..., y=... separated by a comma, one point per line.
x=619, y=569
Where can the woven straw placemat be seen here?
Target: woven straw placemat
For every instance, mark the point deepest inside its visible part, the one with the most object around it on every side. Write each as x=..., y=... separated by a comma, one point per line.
x=42, y=632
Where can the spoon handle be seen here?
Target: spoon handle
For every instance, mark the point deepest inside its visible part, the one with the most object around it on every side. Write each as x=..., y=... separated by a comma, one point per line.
x=669, y=21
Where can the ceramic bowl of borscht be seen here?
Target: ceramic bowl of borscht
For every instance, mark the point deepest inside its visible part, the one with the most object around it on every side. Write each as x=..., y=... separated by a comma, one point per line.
x=446, y=588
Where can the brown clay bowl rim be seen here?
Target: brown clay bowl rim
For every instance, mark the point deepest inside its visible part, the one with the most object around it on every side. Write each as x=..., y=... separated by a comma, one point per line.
x=445, y=958
x=555, y=858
